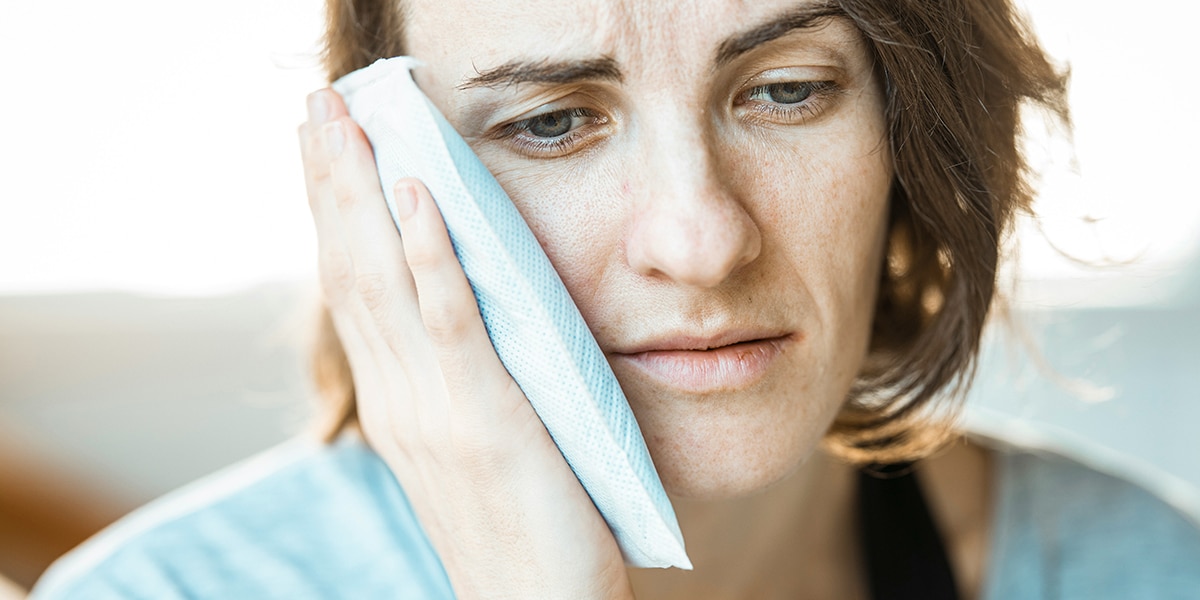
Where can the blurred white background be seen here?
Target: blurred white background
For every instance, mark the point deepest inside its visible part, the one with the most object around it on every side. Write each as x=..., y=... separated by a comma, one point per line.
x=151, y=146
x=155, y=240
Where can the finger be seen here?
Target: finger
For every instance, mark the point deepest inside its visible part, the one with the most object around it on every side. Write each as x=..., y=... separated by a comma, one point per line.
x=323, y=106
x=384, y=418
x=448, y=308
x=334, y=261
x=381, y=283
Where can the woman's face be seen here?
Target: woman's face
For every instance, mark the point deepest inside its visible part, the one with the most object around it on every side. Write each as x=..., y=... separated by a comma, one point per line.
x=710, y=179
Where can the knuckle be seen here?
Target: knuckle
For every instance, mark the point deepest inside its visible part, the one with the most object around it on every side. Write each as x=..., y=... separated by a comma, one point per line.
x=445, y=325
x=337, y=272
x=421, y=257
x=317, y=175
x=344, y=195
x=317, y=182
x=374, y=290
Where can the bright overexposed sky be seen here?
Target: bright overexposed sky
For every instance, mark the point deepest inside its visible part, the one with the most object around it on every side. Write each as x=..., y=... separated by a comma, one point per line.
x=150, y=146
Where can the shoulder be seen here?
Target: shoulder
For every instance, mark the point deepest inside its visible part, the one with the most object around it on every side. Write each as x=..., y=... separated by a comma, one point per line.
x=1063, y=530
x=299, y=521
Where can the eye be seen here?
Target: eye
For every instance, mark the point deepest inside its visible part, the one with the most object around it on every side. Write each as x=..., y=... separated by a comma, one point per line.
x=550, y=125
x=554, y=124
x=787, y=102
x=552, y=134
x=790, y=92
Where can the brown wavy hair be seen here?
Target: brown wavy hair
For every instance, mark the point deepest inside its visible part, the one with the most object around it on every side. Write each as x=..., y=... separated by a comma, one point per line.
x=956, y=75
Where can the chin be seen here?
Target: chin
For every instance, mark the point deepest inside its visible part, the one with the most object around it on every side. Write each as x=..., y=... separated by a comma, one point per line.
x=692, y=481
x=724, y=448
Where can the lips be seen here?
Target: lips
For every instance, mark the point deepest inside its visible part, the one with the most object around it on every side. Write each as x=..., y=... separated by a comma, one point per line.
x=729, y=361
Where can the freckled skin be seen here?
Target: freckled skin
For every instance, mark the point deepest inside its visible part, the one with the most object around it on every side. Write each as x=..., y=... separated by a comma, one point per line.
x=682, y=214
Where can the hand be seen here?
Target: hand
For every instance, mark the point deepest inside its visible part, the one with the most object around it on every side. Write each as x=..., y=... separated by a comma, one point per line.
x=498, y=501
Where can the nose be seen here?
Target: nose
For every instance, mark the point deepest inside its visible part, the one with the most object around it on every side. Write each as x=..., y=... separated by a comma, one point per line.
x=688, y=226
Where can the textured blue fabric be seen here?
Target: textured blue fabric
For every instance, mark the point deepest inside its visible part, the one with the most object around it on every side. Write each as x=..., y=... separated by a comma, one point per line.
x=306, y=521
x=534, y=325
x=331, y=522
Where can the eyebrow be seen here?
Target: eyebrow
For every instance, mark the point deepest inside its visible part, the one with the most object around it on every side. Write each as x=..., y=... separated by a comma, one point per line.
x=546, y=71
x=605, y=68
x=803, y=17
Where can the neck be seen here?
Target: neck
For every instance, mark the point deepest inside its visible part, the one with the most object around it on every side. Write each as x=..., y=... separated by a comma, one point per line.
x=798, y=538
x=793, y=539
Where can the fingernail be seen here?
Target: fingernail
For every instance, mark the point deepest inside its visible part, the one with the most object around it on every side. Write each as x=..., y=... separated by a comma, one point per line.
x=335, y=138
x=406, y=200
x=318, y=107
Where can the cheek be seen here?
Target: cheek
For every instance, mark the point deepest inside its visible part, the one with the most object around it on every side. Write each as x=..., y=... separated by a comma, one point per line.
x=824, y=206
x=575, y=215
x=832, y=236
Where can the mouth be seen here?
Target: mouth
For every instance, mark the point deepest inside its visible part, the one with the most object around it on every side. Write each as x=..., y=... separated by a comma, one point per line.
x=701, y=365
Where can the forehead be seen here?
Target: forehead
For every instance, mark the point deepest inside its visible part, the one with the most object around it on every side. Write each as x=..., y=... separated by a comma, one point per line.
x=648, y=34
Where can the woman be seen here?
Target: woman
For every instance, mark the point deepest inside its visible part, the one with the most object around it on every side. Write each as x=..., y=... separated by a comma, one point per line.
x=782, y=222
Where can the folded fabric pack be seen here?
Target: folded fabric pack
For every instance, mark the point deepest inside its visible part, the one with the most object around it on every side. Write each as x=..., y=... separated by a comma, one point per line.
x=534, y=325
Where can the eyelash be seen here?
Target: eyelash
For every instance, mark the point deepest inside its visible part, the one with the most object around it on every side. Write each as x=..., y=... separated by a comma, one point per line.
x=811, y=106
x=549, y=147
x=820, y=93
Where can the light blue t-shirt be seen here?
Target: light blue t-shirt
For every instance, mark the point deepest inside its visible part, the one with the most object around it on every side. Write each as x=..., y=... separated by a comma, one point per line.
x=308, y=520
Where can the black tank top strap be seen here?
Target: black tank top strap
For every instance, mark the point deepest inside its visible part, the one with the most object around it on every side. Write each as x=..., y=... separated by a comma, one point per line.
x=902, y=549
